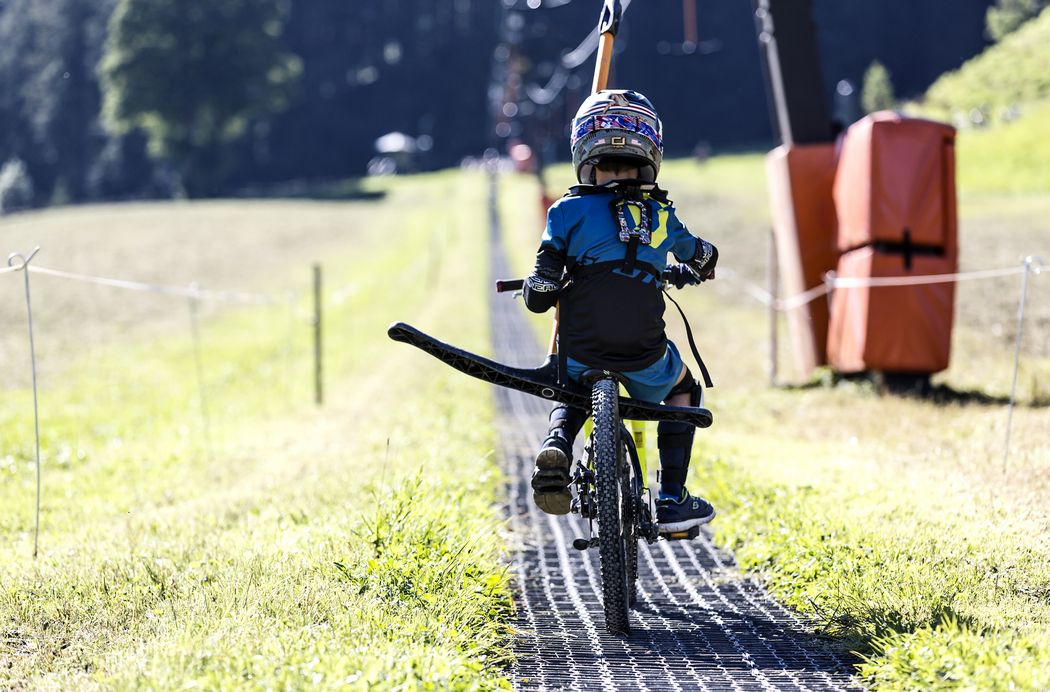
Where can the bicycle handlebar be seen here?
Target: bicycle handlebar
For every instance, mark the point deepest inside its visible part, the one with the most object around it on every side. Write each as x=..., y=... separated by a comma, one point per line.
x=505, y=285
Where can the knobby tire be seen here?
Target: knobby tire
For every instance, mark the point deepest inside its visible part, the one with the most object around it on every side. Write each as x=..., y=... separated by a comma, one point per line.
x=629, y=495
x=613, y=531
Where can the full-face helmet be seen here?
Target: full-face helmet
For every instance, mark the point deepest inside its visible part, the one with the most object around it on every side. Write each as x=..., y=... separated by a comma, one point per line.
x=620, y=124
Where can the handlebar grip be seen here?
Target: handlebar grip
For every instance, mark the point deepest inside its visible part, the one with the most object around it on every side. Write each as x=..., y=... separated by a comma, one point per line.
x=504, y=285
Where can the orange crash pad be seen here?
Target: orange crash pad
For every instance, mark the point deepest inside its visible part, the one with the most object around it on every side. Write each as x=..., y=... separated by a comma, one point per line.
x=800, y=181
x=899, y=329
x=895, y=201
x=896, y=183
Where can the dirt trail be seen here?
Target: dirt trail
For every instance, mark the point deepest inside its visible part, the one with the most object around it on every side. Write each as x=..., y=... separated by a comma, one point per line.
x=699, y=625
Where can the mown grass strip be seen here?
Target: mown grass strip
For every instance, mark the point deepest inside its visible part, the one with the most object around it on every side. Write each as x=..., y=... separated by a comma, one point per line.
x=352, y=546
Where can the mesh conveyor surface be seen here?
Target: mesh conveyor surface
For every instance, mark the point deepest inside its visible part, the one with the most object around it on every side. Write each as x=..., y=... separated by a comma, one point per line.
x=698, y=624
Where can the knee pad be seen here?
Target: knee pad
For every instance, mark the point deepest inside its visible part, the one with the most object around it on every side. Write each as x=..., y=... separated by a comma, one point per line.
x=689, y=386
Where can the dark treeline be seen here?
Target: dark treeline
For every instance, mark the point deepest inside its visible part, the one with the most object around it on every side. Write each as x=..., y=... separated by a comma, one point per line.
x=431, y=69
x=716, y=94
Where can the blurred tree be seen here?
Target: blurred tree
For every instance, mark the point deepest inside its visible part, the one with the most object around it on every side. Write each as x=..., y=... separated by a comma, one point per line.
x=374, y=66
x=877, y=93
x=16, y=187
x=50, y=101
x=1006, y=15
x=423, y=67
x=193, y=75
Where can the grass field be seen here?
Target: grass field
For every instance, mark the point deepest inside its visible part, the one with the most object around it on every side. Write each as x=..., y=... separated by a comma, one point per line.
x=349, y=545
x=891, y=520
x=279, y=545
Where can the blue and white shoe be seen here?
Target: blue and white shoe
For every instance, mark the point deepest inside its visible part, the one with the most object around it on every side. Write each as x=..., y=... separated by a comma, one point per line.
x=688, y=511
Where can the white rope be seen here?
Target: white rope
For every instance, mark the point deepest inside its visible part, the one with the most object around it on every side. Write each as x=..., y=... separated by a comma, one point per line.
x=755, y=291
x=926, y=279
x=800, y=299
x=18, y=262
x=769, y=300
x=181, y=291
x=832, y=282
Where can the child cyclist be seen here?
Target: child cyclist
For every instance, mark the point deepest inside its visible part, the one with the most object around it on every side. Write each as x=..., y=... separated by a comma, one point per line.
x=610, y=238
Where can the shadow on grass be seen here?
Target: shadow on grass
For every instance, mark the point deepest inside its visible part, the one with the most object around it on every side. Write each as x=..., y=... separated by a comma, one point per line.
x=329, y=190
x=914, y=387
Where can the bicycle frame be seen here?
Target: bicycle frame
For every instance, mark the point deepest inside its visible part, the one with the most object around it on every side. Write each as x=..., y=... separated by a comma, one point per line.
x=634, y=440
x=638, y=434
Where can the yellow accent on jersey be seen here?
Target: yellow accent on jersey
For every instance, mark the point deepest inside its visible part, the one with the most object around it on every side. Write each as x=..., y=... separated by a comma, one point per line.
x=660, y=231
x=636, y=215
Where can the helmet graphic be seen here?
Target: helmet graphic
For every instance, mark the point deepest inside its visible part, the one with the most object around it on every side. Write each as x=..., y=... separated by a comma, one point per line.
x=620, y=124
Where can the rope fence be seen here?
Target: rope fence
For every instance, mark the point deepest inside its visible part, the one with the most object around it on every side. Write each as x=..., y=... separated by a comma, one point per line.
x=194, y=294
x=1030, y=266
x=189, y=291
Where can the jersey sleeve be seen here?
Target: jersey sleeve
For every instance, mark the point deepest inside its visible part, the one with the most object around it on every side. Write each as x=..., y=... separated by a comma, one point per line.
x=683, y=243
x=555, y=236
x=543, y=285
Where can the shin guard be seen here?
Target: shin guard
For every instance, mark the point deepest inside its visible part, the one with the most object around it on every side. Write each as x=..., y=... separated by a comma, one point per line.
x=675, y=441
x=565, y=423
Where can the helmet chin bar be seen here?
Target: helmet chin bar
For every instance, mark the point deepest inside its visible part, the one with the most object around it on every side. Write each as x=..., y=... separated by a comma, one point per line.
x=588, y=172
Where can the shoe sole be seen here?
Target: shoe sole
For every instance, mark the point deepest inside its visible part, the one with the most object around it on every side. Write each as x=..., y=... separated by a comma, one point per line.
x=679, y=526
x=553, y=503
x=553, y=458
x=551, y=493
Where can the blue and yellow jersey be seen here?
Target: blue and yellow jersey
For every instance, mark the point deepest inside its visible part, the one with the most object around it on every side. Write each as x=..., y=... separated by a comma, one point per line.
x=611, y=318
x=584, y=229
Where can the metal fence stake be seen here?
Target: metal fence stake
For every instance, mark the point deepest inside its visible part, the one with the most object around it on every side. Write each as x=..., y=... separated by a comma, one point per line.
x=1032, y=265
x=23, y=263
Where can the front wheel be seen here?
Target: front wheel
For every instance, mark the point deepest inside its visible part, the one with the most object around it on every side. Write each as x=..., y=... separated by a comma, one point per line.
x=613, y=528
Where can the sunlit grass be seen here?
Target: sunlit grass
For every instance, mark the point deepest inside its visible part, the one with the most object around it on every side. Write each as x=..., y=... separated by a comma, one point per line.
x=1009, y=157
x=892, y=521
x=351, y=545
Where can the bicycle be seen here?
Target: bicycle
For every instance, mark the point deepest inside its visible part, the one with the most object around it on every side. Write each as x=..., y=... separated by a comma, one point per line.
x=610, y=480
x=610, y=485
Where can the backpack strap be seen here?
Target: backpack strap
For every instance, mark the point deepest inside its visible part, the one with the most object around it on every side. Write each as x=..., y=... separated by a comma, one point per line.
x=631, y=257
x=625, y=199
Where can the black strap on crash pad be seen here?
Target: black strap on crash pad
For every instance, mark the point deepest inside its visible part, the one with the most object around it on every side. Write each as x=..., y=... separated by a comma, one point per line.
x=692, y=343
